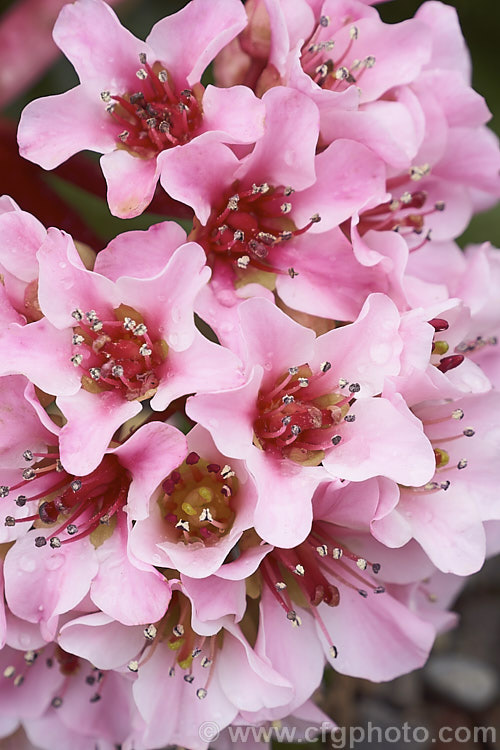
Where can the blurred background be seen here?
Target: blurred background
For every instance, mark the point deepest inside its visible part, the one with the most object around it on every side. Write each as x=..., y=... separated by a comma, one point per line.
x=459, y=687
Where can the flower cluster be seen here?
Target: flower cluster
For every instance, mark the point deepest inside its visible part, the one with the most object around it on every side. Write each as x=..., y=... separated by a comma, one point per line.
x=327, y=349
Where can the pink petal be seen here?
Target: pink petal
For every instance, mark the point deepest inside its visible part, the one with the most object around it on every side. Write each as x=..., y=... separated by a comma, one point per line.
x=3, y=622
x=214, y=598
x=373, y=127
x=400, y=51
x=151, y=691
x=100, y=639
x=42, y=583
x=283, y=515
x=22, y=235
x=449, y=50
x=395, y=640
x=121, y=590
x=379, y=442
x=235, y=112
x=92, y=420
x=66, y=285
x=104, y=54
x=478, y=162
x=285, y=153
x=449, y=528
x=348, y=178
x=204, y=366
x=21, y=428
x=178, y=284
x=187, y=41
x=229, y=415
x=188, y=173
x=131, y=182
x=273, y=340
x=365, y=352
x=124, y=255
x=256, y=684
x=41, y=353
x=150, y=454
x=277, y=639
x=54, y=128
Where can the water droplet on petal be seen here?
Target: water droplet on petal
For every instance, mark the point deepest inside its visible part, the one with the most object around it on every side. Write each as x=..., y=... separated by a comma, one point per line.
x=27, y=564
x=380, y=353
x=54, y=562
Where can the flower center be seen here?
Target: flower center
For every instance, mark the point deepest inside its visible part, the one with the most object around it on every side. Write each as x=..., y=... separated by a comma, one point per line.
x=320, y=65
x=157, y=117
x=117, y=354
x=292, y=424
x=247, y=226
x=197, y=500
x=175, y=629
x=79, y=505
x=309, y=574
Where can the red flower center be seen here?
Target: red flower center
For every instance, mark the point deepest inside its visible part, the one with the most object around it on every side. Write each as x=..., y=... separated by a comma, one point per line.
x=158, y=116
x=332, y=72
x=117, y=354
x=294, y=423
x=79, y=505
x=248, y=226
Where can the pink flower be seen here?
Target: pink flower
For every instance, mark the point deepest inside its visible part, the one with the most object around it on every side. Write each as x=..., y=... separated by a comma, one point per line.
x=53, y=566
x=200, y=670
x=137, y=101
x=199, y=513
x=339, y=591
x=443, y=369
x=447, y=515
x=252, y=214
x=103, y=347
x=309, y=401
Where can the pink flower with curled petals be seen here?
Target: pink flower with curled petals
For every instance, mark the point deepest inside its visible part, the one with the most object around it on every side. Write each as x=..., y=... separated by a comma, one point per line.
x=340, y=590
x=138, y=101
x=187, y=662
x=200, y=512
x=80, y=543
x=308, y=402
x=341, y=55
x=102, y=347
x=251, y=214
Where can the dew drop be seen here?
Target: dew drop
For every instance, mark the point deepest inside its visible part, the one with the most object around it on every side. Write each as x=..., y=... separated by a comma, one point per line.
x=54, y=562
x=176, y=314
x=27, y=564
x=380, y=353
